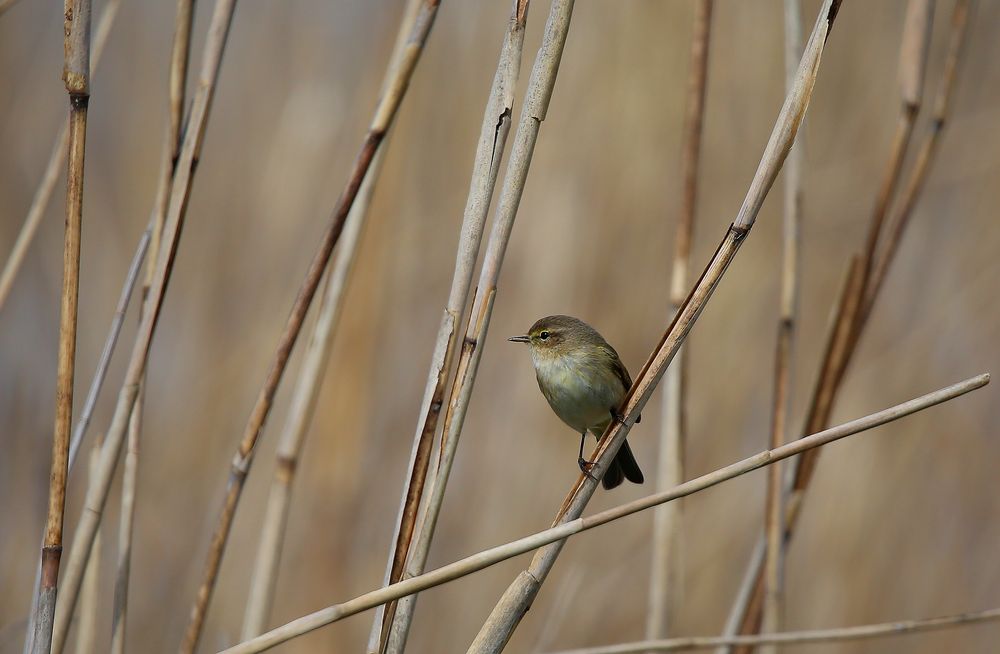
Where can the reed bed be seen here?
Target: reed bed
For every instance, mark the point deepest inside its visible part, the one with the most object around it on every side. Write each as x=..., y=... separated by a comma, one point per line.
x=357, y=498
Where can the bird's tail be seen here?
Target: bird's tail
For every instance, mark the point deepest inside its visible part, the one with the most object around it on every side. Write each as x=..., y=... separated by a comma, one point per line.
x=624, y=466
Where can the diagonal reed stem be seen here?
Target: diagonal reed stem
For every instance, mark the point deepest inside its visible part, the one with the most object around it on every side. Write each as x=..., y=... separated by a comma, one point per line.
x=306, y=392
x=666, y=573
x=385, y=112
x=560, y=532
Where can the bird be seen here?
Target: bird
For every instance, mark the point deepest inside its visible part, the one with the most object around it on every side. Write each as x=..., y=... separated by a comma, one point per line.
x=585, y=382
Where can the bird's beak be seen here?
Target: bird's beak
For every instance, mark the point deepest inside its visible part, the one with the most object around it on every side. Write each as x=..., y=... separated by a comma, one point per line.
x=519, y=339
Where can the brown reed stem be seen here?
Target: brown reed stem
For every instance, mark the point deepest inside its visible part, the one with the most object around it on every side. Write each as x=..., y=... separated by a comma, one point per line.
x=489, y=153
x=385, y=112
x=837, y=635
x=76, y=74
x=560, y=532
x=306, y=393
x=97, y=491
x=666, y=573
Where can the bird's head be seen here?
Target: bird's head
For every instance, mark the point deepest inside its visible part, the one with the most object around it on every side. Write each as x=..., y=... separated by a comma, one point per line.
x=557, y=336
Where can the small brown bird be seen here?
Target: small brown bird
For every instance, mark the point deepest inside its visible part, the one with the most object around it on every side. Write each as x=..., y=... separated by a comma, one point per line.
x=585, y=383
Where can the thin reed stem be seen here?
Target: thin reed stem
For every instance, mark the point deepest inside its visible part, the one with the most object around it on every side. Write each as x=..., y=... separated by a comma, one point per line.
x=489, y=152
x=43, y=193
x=837, y=635
x=76, y=74
x=171, y=149
x=90, y=594
x=774, y=510
x=385, y=112
x=666, y=573
x=516, y=600
x=302, y=406
x=560, y=532
x=99, y=486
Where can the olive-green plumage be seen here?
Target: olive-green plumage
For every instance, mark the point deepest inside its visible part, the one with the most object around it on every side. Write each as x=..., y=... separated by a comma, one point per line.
x=584, y=381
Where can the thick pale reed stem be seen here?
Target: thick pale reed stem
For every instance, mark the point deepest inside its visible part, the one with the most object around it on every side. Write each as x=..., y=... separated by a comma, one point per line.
x=489, y=152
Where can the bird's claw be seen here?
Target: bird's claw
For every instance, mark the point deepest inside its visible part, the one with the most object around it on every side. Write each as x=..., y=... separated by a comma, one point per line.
x=585, y=467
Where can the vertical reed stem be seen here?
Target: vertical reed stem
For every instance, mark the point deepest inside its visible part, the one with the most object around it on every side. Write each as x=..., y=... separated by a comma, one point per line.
x=76, y=74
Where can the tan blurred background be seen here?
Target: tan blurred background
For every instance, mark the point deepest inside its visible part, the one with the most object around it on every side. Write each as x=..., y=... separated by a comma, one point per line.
x=900, y=523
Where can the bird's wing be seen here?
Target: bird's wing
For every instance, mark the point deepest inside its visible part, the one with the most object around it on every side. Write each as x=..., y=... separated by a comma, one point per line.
x=621, y=372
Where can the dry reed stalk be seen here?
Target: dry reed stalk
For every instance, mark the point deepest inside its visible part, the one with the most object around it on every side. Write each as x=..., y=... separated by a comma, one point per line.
x=912, y=68
x=745, y=615
x=43, y=193
x=837, y=635
x=76, y=74
x=489, y=152
x=774, y=510
x=180, y=56
x=518, y=597
x=97, y=491
x=86, y=631
x=303, y=402
x=385, y=112
x=666, y=574
x=486, y=558
x=942, y=104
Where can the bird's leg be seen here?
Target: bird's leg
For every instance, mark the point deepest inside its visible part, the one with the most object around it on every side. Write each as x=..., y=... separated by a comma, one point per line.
x=584, y=464
x=617, y=416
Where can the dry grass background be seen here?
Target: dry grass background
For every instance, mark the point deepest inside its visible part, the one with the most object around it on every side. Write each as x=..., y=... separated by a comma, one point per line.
x=901, y=524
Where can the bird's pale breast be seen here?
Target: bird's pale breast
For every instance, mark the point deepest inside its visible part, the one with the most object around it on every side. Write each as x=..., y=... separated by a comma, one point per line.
x=582, y=390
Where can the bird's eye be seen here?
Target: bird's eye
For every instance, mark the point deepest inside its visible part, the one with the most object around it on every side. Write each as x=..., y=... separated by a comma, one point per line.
x=543, y=335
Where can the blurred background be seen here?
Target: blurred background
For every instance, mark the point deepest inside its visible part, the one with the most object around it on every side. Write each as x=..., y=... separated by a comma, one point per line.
x=899, y=523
